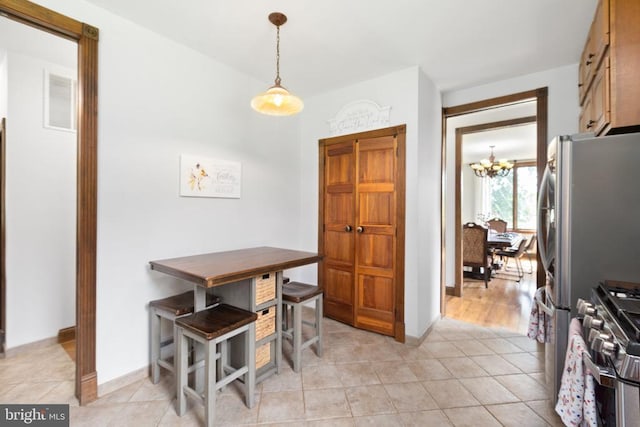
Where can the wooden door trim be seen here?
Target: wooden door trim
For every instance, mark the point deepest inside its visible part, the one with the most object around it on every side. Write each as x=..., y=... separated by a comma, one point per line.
x=460, y=133
x=400, y=132
x=86, y=384
x=3, y=269
x=541, y=97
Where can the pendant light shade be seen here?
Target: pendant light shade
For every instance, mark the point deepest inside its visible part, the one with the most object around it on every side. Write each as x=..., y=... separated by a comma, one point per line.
x=277, y=101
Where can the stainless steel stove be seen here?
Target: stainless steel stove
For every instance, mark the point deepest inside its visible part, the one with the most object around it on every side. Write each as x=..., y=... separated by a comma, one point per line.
x=612, y=328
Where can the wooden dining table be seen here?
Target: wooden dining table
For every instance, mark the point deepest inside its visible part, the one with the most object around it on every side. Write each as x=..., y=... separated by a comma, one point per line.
x=233, y=274
x=497, y=240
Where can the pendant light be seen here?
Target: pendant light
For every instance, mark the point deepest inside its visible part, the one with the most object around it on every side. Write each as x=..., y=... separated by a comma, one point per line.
x=277, y=101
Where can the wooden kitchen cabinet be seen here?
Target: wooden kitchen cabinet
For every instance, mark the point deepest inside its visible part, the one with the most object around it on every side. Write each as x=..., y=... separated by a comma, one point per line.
x=609, y=88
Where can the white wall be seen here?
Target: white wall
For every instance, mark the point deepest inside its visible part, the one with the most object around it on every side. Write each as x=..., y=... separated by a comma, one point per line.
x=40, y=209
x=158, y=100
x=428, y=159
x=563, y=111
x=4, y=95
x=471, y=203
x=414, y=101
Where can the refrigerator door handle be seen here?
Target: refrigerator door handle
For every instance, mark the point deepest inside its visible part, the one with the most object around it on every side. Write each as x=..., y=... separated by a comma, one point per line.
x=542, y=214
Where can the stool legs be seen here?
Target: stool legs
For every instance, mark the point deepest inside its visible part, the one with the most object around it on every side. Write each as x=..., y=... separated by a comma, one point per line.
x=293, y=315
x=182, y=359
x=250, y=362
x=215, y=376
x=210, y=382
x=297, y=336
x=154, y=319
x=319, y=312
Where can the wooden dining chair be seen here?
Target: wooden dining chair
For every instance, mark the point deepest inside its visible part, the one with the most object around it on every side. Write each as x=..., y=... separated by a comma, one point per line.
x=497, y=224
x=475, y=249
x=529, y=250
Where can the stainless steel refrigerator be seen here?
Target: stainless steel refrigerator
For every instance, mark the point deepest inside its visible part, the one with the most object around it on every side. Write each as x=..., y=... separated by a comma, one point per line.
x=589, y=227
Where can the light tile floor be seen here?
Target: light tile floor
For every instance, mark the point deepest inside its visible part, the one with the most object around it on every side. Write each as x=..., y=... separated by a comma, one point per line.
x=462, y=375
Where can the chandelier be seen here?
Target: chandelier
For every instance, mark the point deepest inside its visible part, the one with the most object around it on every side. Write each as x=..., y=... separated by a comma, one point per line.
x=277, y=101
x=491, y=168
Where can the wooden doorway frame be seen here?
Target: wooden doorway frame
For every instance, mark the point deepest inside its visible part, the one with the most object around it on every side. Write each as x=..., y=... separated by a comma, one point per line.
x=460, y=133
x=540, y=95
x=86, y=36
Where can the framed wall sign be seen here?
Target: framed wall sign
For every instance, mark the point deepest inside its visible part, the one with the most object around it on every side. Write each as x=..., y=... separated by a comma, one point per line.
x=205, y=177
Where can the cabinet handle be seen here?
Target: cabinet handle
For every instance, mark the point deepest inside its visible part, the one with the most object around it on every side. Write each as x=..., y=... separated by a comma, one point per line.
x=360, y=229
x=348, y=229
x=590, y=124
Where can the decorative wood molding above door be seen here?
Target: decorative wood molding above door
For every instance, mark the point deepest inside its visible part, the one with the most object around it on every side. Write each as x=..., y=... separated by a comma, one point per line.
x=87, y=38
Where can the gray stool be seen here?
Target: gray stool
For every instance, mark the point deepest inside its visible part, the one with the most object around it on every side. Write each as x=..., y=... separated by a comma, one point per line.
x=170, y=309
x=294, y=295
x=213, y=327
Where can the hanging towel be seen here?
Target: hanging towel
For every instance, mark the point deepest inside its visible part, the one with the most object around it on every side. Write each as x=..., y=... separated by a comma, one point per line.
x=576, y=399
x=539, y=322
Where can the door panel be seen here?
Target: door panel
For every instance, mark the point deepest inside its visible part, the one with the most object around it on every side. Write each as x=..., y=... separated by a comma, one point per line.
x=375, y=303
x=375, y=250
x=338, y=237
x=376, y=208
x=338, y=285
x=339, y=247
x=339, y=208
x=375, y=241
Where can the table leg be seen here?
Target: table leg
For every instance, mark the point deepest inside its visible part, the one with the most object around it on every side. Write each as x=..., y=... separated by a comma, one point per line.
x=200, y=302
x=278, y=321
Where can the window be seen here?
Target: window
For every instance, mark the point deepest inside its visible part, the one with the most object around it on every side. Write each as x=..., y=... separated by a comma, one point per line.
x=513, y=197
x=59, y=102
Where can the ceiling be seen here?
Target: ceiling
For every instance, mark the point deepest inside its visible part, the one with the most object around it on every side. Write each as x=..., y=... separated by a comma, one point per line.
x=330, y=44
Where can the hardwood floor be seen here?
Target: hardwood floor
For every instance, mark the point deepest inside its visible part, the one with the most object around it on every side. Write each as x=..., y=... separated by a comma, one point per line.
x=70, y=348
x=506, y=303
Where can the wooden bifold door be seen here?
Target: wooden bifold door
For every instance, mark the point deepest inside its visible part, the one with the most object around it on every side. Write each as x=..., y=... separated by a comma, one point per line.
x=361, y=229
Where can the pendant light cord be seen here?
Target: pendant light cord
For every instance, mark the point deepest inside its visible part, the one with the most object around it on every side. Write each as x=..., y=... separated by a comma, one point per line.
x=278, y=55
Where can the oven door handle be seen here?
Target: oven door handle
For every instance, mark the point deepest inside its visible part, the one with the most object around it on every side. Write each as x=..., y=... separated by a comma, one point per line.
x=604, y=375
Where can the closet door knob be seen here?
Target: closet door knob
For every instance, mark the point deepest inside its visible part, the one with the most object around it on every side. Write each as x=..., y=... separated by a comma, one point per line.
x=348, y=229
x=360, y=229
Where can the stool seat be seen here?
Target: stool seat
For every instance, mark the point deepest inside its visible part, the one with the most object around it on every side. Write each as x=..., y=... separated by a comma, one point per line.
x=169, y=309
x=210, y=324
x=181, y=304
x=298, y=292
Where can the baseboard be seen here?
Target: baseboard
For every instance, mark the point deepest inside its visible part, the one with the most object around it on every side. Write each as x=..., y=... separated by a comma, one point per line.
x=123, y=381
x=416, y=341
x=67, y=334
x=450, y=290
x=31, y=346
